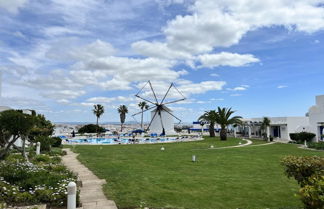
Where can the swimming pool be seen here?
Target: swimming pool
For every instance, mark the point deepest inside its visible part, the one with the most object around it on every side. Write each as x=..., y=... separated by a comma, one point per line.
x=128, y=140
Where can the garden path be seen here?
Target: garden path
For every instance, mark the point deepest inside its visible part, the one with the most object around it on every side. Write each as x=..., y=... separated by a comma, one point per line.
x=91, y=194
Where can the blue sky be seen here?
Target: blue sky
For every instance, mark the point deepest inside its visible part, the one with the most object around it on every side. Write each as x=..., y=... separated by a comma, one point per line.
x=263, y=58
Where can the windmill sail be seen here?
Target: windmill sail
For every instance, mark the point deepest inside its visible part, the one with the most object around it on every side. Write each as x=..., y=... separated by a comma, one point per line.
x=158, y=96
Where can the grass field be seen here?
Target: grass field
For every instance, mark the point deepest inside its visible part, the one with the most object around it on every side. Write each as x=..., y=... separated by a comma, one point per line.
x=245, y=177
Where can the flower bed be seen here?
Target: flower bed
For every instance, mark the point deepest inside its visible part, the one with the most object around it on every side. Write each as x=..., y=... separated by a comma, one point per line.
x=43, y=180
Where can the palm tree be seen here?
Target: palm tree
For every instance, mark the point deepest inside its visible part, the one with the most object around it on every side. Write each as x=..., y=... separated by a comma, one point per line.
x=98, y=110
x=143, y=105
x=223, y=118
x=209, y=117
x=122, y=110
x=264, y=126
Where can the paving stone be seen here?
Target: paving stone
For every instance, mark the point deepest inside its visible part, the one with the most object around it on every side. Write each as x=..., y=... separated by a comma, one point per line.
x=91, y=194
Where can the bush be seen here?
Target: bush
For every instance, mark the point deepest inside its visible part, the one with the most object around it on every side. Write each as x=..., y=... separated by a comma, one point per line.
x=309, y=173
x=91, y=128
x=57, y=141
x=312, y=195
x=46, y=143
x=28, y=183
x=302, y=136
x=316, y=145
x=301, y=168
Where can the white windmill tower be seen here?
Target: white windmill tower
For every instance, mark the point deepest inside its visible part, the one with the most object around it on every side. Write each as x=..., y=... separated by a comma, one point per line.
x=161, y=116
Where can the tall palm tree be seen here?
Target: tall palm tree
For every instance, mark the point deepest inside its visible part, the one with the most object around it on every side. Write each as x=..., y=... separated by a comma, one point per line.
x=223, y=118
x=143, y=105
x=98, y=110
x=209, y=117
x=122, y=110
x=264, y=126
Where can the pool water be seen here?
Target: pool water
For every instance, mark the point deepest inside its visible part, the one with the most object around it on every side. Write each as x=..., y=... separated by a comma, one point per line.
x=121, y=140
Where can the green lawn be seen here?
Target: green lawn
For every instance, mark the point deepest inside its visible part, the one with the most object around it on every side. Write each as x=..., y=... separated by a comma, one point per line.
x=246, y=177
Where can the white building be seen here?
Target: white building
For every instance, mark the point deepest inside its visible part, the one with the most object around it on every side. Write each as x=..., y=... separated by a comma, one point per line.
x=167, y=121
x=316, y=118
x=280, y=127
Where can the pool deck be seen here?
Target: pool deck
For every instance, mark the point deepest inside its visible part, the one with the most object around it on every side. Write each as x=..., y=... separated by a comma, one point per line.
x=91, y=194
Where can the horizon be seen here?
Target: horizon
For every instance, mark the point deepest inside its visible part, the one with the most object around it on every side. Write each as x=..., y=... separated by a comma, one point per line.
x=265, y=60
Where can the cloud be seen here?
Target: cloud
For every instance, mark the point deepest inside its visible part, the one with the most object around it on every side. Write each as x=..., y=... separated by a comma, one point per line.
x=214, y=75
x=281, y=86
x=226, y=59
x=111, y=99
x=239, y=88
x=214, y=24
x=12, y=6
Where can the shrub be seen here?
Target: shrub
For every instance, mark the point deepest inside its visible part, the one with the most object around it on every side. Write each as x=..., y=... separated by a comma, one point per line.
x=57, y=141
x=27, y=183
x=46, y=143
x=316, y=145
x=309, y=173
x=302, y=136
x=91, y=128
x=312, y=195
x=41, y=159
x=301, y=168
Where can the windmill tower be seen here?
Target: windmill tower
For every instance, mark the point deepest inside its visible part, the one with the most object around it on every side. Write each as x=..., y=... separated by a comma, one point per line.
x=161, y=116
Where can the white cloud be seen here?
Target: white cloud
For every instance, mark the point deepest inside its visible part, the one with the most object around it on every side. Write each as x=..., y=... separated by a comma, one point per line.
x=214, y=75
x=317, y=41
x=111, y=99
x=239, y=88
x=282, y=86
x=12, y=6
x=226, y=59
x=235, y=95
x=159, y=50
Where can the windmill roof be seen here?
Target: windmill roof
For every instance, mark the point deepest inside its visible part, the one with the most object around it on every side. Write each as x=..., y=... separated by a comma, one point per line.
x=164, y=107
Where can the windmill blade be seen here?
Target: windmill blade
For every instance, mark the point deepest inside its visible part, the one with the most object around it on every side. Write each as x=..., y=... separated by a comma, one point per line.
x=172, y=115
x=143, y=111
x=179, y=92
x=137, y=95
x=145, y=99
x=166, y=93
x=157, y=102
x=178, y=100
x=151, y=120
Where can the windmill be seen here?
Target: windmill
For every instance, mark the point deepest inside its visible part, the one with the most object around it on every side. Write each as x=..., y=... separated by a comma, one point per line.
x=161, y=115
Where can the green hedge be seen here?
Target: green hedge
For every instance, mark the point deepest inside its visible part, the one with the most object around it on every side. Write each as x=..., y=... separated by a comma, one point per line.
x=302, y=136
x=316, y=145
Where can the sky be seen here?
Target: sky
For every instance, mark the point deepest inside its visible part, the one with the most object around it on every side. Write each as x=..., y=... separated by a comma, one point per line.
x=261, y=58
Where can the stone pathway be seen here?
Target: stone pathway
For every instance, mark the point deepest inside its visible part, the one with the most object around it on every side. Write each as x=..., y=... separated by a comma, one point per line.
x=91, y=194
x=240, y=145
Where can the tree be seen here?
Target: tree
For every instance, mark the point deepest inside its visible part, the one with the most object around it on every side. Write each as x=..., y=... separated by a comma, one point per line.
x=264, y=126
x=209, y=117
x=122, y=110
x=13, y=125
x=223, y=118
x=91, y=128
x=98, y=110
x=143, y=105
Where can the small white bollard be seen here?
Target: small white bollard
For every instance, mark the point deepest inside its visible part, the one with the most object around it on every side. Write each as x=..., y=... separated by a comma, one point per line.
x=162, y=148
x=71, y=202
x=38, y=148
x=193, y=158
x=211, y=146
x=305, y=143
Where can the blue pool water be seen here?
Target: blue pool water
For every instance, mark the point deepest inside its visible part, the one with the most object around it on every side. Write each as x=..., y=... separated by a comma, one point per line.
x=121, y=140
